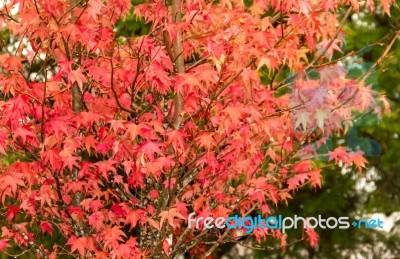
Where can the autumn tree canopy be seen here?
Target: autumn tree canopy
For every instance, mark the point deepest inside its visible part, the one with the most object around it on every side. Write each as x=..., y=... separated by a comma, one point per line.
x=219, y=109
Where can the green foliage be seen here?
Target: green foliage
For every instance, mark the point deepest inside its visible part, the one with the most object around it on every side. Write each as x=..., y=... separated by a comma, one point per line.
x=132, y=25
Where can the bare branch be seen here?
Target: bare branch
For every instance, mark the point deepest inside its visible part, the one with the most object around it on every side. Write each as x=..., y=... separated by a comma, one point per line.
x=179, y=63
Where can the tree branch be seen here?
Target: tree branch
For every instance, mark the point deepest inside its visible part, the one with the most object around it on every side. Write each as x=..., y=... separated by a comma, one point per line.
x=179, y=63
x=382, y=57
x=115, y=93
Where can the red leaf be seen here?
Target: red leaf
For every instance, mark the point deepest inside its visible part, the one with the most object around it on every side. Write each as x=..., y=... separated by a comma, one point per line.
x=177, y=139
x=358, y=159
x=112, y=236
x=166, y=247
x=78, y=244
x=70, y=162
x=4, y=244
x=297, y=180
x=76, y=76
x=339, y=154
x=11, y=212
x=23, y=132
x=386, y=6
x=312, y=237
x=3, y=141
x=150, y=149
x=133, y=218
x=46, y=227
x=96, y=220
x=118, y=210
x=315, y=177
x=9, y=184
x=170, y=215
x=169, y=183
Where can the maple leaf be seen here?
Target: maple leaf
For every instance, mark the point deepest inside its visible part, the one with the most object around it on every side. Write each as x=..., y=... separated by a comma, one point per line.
x=221, y=211
x=116, y=125
x=74, y=31
x=9, y=184
x=4, y=244
x=11, y=212
x=170, y=215
x=153, y=223
x=104, y=167
x=133, y=218
x=329, y=6
x=386, y=6
x=320, y=94
x=128, y=167
x=88, y=118
x=90, y=143
x=169, y=183
x=177, y=139
x=327, y=47
x=51, y=157
x=118, y=210
x=46, y=227
x=256, y=195
x=297, y=180
x=59, y=126
x=127, y=250
x=302, y=166
x=154, y=194
x=199, y=203
x=339, y=154
x=166, y=247
x=81, y=244
x=112, y=236
x=76, y=76
x=3, y=141
x=96, y=220
x=206, y=139
x=320, y=116
x=23, y=132
x=315, y=177
x=303, y=119
x=133, y=131
x=358, y=159
x=151, y=148
x=283, y=195
x=312, y=236
x=70, y=162
x=94, y=8
x=304, y=7
x=329, y=74
x=103, y=148
x=11, y=62
x=371, y=5
x=181, y=206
